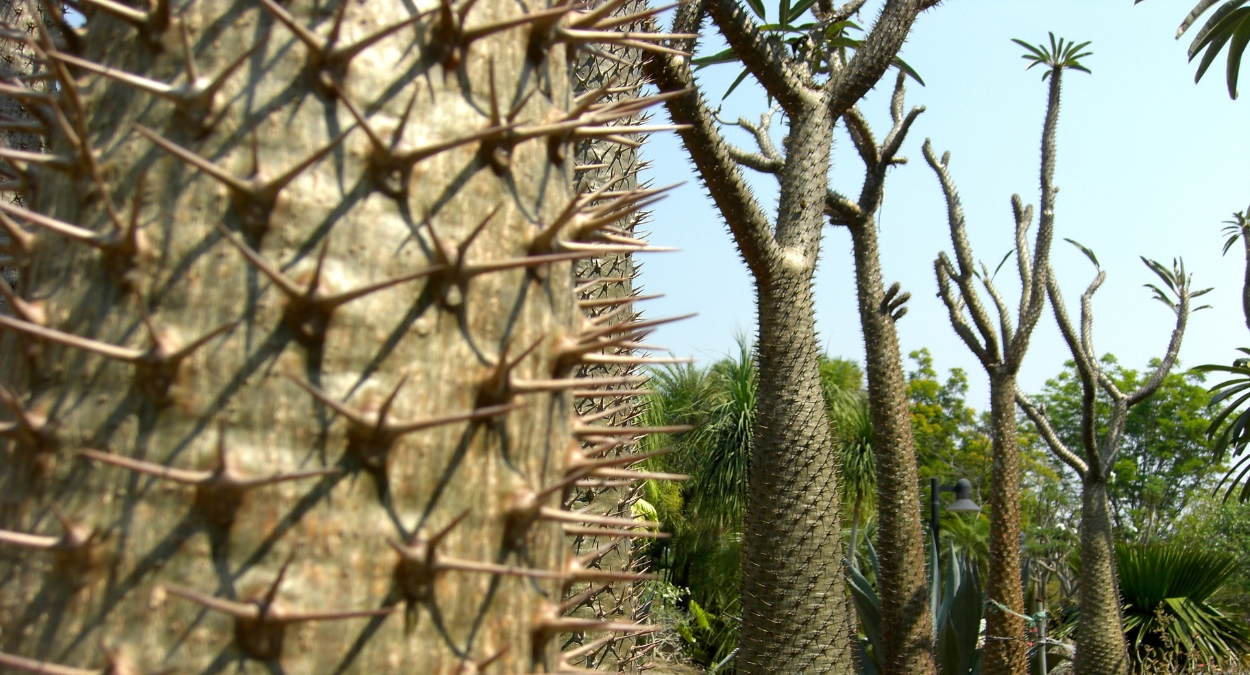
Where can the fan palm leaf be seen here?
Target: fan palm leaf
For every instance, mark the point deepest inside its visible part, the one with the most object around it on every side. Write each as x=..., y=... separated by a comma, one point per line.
x=1167, y=590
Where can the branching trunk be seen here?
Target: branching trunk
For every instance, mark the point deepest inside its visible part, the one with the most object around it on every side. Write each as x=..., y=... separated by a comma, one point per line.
x=293, y=363
x=1008, y=655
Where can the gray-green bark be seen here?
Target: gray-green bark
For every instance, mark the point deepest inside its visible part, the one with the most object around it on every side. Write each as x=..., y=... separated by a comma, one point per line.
x=412, y=443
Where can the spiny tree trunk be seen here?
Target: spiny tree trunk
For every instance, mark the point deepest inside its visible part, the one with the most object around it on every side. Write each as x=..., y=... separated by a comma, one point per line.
x=293, y=362
x=1100, y=633
x=607, y=289
x=1007, y=655
x=906, y=625
x=1100, y=644
x=1001, y=352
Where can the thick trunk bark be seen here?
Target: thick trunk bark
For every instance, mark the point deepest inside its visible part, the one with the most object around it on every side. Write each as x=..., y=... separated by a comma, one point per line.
x=1007, y=655
x=795, y=617
x=287, y=387
x=1100, y=646
x=906, y=625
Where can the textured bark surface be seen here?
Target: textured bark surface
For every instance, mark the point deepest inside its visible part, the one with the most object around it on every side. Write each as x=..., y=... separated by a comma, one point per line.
x=794, y=618
x=906, y=626
x=1100, y=633
x=1009, y=655
x=424, y=432
x=605, y=284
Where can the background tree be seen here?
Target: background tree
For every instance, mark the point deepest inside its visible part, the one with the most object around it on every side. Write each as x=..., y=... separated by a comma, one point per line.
x=1100, y=644
x=1001, y=350
x=319, y=378
x=794, y=617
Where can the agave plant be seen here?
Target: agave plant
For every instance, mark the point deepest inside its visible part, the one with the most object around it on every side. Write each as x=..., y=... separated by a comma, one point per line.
x=956, y=602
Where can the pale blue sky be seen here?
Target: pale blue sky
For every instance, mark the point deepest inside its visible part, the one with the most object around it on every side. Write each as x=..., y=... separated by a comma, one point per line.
x=1148, y=164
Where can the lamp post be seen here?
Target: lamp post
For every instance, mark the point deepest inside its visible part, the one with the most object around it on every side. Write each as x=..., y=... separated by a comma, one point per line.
x=963, y=502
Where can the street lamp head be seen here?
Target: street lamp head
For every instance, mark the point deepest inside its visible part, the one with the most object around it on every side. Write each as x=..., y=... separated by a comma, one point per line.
x=963, y=498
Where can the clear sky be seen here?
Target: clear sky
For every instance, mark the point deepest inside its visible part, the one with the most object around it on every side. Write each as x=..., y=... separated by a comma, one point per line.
x=1149, y=164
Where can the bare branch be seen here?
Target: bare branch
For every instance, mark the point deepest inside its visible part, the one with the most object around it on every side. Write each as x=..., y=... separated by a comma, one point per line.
x=861, y=136
x=1004, y=314
x=1039, y=420
x=840, y=209
x=709, y=151
x=902, y=123
x=991, y=356
x=1086, y=366
x=768, y=159
x=955, y=307
x=874, y=56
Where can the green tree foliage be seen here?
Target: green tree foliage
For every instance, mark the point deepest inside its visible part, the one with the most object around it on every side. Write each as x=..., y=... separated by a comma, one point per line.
x=951, y=439
x=1223, y=527
x=1165, y=457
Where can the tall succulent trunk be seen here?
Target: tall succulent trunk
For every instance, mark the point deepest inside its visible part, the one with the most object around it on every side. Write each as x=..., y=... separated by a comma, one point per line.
x=1007, y=656
x=794, y=613
x=1100, y=632
x=293, y=366
x=1001, y=351
x=606, y=289
x=906, y=626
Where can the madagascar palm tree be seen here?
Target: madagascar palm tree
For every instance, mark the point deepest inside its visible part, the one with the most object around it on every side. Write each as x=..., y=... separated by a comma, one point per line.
x=792, y=543
x=1001, y=350
x=1100, y=648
